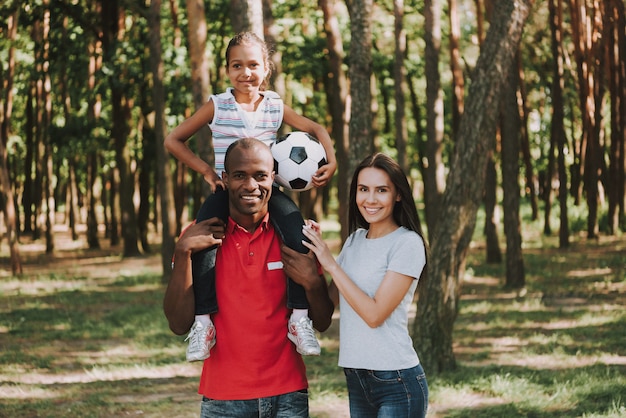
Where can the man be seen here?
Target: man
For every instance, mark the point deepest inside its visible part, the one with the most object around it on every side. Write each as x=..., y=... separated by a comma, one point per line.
x=253, y=370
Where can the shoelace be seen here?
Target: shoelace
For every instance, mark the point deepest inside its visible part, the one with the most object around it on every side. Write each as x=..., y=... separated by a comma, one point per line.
x=194, y=338
x=305, y=332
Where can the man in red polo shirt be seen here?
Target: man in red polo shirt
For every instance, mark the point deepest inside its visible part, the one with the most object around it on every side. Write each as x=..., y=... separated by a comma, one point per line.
x=255, y=369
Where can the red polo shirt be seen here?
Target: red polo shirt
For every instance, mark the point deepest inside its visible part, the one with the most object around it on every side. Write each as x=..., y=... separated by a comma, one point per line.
x=252, y=357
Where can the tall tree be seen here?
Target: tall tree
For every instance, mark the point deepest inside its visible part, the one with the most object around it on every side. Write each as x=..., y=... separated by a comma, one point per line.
x=557, y=126
x=113, y=35
x=616, y=51
x=337, y=92
x=359, y=73
x=510, y=144
x=163, y=171
x=458, y=80
x=439, y=295
x=434, y=171
x=400, y=84
x=7, y=198
x=247, y=15
x=200, y=77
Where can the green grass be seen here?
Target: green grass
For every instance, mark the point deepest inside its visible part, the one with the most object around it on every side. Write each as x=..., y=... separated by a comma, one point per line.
x=97, y=345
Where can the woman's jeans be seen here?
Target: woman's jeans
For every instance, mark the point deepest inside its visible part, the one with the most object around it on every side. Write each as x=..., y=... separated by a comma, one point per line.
x=289, y=405
x=387, y=394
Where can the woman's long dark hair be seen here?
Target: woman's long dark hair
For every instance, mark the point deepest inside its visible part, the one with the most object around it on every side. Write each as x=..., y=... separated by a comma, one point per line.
x=404, y=211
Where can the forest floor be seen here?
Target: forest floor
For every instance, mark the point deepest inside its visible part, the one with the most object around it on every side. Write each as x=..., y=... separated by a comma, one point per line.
x=102, y=370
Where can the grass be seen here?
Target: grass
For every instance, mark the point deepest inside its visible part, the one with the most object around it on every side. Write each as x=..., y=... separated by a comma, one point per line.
x=85, y=336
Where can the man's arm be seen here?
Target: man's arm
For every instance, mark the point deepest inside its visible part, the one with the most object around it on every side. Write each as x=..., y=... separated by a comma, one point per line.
x=179, y=301
x=303, y=269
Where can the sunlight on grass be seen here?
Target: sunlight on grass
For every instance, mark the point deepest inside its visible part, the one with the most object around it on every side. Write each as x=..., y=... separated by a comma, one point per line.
x=77, y=343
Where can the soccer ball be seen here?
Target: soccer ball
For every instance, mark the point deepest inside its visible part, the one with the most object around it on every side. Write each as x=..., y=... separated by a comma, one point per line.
x=297, y=156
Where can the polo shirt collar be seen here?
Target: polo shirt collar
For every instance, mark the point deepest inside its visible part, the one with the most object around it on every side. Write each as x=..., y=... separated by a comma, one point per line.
x=234, y=226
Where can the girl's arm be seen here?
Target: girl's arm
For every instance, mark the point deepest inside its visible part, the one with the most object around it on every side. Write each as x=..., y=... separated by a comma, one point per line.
x=373, y=310
x=176, y=143
x=301, y=123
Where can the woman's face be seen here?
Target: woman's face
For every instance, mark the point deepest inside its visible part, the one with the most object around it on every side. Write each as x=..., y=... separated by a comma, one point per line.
x=376, y=196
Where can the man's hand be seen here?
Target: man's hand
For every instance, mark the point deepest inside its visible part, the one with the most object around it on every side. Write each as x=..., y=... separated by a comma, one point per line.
x=304, y=270
x=301, y=268
x=179, y=301
x=201, y=235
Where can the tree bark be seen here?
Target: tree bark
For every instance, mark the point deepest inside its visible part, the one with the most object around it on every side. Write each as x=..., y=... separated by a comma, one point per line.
x=200, y=82
x=360, y=72
x=493, y=252
x=247, y=15
x=439, y=295
x=511, y=139
x=163, y=172
x=120, y=110
x=434, y=170
x=6, y=110
x=557, y=126
x=337, y=93
x=400, y=85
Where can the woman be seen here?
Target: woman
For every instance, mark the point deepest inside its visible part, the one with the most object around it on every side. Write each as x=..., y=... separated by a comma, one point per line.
x=374, y=280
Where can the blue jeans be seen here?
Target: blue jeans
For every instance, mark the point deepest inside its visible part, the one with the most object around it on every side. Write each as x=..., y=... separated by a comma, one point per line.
x=387, y=394
x=289, y=405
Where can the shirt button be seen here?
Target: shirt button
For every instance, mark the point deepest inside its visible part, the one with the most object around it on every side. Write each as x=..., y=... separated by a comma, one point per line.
x=251, y=254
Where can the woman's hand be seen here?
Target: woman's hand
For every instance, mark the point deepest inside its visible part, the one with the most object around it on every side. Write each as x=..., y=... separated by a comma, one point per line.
x=313, y=232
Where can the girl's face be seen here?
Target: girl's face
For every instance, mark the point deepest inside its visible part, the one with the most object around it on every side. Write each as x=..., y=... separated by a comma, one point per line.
x=246, y=68
x=376, y=196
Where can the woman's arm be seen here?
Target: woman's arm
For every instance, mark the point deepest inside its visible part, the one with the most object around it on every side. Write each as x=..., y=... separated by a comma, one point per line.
x=373, y=310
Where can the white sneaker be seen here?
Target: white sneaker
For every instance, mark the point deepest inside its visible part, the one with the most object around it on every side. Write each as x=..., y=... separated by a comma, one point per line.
x=301, y=333
x=201, y=340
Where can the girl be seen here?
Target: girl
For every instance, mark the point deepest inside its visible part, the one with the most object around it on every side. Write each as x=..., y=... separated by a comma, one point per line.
x=246, y=110
x=374, y=280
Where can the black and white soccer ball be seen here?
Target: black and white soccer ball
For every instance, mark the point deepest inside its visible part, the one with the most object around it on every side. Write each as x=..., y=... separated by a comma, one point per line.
x=297, y=156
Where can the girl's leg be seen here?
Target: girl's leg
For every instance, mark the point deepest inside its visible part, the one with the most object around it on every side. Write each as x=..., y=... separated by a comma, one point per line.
x=287, y=219
x=203, y=262
x=202, y=334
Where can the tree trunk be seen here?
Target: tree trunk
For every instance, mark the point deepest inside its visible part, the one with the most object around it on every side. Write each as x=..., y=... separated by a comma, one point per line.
x=616, y=46
x=493, y=252
x=120, y=113
x=360, y=73
x=337, y=92
x=6, y=110
x=200, y=84
x=529, y=175
x=400, y=85
x=458, y=80
x=93, y=113
x=247, y=15
x=557, y=125
x=147, y=171
x=593, y=106
x=511, y=139
x=163, y=171
x=434, y=172
x=439, y=295
x=93, y=241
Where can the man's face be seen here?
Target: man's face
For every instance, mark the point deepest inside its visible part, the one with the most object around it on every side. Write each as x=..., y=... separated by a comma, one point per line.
x=249, y=183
